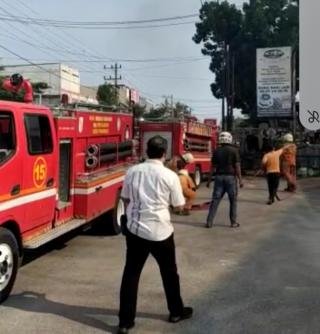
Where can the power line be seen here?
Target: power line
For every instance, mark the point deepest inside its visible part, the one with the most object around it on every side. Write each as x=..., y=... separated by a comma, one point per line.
x=33, y=20
x=3, y=18
x=37, y=65
x=41, y=45
x=175, y=78
x=61, y=38
x=174, y=60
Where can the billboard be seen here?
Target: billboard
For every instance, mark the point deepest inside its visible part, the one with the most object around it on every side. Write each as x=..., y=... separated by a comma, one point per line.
x=309, y=94
x=274, y=82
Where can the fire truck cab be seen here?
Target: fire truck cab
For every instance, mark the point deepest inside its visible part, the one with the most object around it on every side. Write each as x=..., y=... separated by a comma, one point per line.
x=59, y=169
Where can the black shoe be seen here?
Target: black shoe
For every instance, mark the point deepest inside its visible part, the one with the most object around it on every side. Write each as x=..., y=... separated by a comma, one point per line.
x=124, y=329
x=278, y=198
x=208, y=226
x=186, y=314
x=235, y=225
x=183, y=213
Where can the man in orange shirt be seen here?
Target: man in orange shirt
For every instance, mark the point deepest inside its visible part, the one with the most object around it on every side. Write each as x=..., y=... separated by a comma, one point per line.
x=288, y=164
x=187, y=184
x=271, y=166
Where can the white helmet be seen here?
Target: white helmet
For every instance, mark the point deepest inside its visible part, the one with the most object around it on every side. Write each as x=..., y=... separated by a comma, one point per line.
x=288, y=138
x=188, y=158
x=225, y=138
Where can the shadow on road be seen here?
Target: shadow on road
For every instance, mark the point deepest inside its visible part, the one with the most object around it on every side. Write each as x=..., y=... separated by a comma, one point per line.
x=90, y=316
x=100, y=227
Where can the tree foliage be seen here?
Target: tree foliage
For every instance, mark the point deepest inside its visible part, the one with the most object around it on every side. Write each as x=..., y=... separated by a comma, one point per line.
x=138, y=110
x=262, y=23
x=107, y=94
x=165, y=111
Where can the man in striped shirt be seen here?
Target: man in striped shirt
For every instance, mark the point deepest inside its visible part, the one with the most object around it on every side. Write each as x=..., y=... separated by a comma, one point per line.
x=148, y=191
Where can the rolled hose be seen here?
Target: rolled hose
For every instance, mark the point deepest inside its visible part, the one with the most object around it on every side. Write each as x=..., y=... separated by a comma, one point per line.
x=93, y=161
x=92, y=150
x=108, y=148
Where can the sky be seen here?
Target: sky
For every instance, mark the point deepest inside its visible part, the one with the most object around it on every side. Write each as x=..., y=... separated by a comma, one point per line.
x=179, y=70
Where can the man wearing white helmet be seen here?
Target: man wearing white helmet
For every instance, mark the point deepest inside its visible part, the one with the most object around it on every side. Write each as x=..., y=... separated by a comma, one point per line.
x=226, y=166
x=288, y=164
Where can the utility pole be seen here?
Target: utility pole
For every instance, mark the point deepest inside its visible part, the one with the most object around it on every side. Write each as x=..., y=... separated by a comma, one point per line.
x=294, y=88
x=169, y=106
x=228, y=86
x=114, y=68
x=232, y=88
x=224, y=77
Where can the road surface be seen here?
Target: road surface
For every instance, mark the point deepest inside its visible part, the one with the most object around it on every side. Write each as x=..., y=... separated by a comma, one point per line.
x=261, y=278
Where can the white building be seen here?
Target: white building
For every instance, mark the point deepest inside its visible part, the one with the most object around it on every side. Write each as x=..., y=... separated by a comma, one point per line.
x=61, y=79
x=125, y=94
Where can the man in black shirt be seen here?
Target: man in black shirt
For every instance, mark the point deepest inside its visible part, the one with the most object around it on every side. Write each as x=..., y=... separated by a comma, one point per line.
x=227, y=170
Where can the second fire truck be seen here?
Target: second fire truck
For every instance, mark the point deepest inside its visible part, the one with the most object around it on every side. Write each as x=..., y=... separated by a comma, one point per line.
x=192, y=136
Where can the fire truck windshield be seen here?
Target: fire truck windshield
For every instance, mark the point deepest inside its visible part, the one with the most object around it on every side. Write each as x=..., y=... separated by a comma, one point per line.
x=7, y=141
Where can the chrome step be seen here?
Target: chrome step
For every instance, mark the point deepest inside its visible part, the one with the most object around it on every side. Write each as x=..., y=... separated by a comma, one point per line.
x=53, y=234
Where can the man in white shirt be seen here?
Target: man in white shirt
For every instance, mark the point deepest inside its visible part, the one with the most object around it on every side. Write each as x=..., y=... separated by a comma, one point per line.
x=148, y=190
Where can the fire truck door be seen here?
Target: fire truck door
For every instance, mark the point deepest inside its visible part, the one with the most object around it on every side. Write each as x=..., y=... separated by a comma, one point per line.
x=10, y=166
x=40, y=168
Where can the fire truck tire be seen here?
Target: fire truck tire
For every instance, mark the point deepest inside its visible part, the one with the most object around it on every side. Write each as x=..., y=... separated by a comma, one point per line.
x=197, y=176
x=9, y=262
x=117, y=213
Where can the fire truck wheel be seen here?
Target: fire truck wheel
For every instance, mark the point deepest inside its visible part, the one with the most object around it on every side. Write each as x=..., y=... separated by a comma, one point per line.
x=117, y=213
x=197, y=176
x=9, y=262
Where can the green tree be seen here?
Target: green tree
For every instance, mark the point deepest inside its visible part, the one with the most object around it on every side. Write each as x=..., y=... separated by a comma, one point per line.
x=107, y=94
x=262, y=23
x=165, y=111
x=138, y=111
x=181, y=110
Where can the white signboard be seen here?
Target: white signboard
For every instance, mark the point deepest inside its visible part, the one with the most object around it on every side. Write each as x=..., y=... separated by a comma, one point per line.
x=274, y=92
x=309, y=64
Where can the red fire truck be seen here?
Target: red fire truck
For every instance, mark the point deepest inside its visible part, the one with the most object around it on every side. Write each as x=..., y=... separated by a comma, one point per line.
x=182, y=137
x=59, y=169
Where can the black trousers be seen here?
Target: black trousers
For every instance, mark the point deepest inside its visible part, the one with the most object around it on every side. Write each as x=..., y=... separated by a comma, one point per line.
x=138, y=250
x=273, y=184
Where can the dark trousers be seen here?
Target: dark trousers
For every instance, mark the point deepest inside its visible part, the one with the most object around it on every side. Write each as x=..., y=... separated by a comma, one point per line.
x=224, y=184
x=273, y=180
x=138, y=250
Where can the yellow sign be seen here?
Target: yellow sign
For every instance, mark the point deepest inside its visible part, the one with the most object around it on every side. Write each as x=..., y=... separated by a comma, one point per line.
x=199, y=129
x=40, y=172
x=100, y=124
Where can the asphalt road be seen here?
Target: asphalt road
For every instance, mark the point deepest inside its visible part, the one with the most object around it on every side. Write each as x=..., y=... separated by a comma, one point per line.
x=260, y=278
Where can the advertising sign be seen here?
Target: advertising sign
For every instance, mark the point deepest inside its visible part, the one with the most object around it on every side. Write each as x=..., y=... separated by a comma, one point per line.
x=274, y=84
x=309, y=95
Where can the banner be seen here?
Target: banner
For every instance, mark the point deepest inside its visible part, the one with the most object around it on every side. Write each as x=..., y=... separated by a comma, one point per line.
x=309, y=94
x=274, y=91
